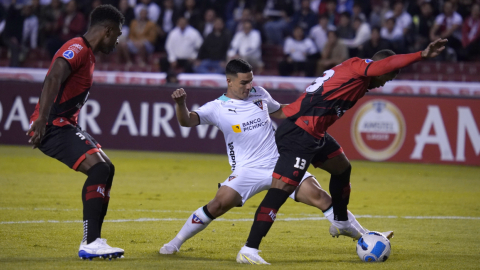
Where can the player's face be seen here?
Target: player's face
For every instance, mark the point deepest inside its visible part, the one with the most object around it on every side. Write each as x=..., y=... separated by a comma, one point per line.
x=111, y=39
x=381, y=80
x=239, y=87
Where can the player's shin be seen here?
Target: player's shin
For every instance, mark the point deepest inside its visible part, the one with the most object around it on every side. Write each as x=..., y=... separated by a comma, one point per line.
x=340, y=192
x=196, y=223
x=93, y=194
x=106, y=199
x=265, y=216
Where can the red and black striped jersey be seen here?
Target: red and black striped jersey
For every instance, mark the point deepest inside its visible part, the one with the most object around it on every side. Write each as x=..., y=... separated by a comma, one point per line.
x=74, y=91
x=328, y=97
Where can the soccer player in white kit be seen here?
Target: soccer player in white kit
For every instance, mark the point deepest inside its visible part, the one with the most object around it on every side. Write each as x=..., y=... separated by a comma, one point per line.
x=243, y=115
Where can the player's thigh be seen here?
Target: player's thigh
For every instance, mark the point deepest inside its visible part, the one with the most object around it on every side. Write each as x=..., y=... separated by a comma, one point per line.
x=249, y=181
x=70, y=145
x=331, y=157
x=310, y=192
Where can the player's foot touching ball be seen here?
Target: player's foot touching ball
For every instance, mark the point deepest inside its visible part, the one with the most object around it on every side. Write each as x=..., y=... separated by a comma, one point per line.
x=169, y=249
x=250, y=256
x=99, y=249
x=353, y=232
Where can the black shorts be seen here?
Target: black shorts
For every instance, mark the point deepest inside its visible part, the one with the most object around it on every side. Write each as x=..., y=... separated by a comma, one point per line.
x=298, y=149
x=68, y=144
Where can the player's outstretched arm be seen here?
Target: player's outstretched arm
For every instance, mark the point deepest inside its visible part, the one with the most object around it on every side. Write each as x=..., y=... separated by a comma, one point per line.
x=395, y=62
x=184, y=117
x=279, y=113
x=58, y=74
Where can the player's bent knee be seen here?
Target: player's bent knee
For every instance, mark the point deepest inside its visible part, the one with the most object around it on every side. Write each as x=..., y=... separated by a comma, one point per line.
x=100, y=169
x=217, y=208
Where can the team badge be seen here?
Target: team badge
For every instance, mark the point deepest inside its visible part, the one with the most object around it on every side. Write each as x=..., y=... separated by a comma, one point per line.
x=231, y=177
x=253, y=90
x=368, y=61
x=196, y=220
x=236, y=129
x=259, y=103
x=69, y=54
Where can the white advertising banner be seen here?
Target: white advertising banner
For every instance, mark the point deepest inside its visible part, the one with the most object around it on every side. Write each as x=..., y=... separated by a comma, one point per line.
x=400, y=87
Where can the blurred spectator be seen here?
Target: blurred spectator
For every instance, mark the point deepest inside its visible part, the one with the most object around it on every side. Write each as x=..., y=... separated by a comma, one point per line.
x=344, y=28
x=357, y=12
x=234, y=13
x=278, y=14
x=423, y=24
x=447, y=25
x=70, y=24
x=182, y=46
x=219, y=6
x=299, y=53
x=377, y=15
x=362, y=34
x=318, y=33
x=246, y=16
x=393, y=34
x=247, y=44
x=471, y=32
x=49, y=16
x=191, y=13
x=152, y=7
x=166, y=22
x=2, y=21
x=30, y=28
x=213, y=52
x=375, y=44
x=304, y=18
x=315, y=5
x=330, y=10
x=206, y=26
x=129, y=15
x=12, y=36
x=333, y=54
x=345, y=6
x=141, y=39
x=403, y=20
x=36, y=8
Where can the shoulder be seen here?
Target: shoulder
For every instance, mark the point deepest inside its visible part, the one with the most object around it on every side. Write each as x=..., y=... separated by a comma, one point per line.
x=440, y=18
x=72, y=48
x=457, y=17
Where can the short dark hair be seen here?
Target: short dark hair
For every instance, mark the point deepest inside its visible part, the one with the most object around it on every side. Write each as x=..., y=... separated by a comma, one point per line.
x=106, y=13
x=238, y=65
x=382, y=54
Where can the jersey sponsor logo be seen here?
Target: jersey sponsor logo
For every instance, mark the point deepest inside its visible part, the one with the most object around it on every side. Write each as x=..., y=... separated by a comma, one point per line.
x=196, y=220
x=236, y=129
x=368, y=61
x=69, y=54
x=75, y=47
x=267, y=214
x=259, y=103
x=378, y=130
x=253, y=124
x=231, y=153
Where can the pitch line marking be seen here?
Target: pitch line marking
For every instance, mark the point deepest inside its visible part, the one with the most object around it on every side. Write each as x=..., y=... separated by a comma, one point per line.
x=232, y=220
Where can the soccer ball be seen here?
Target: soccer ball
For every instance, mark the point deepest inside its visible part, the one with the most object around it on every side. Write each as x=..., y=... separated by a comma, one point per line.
x=373, y=247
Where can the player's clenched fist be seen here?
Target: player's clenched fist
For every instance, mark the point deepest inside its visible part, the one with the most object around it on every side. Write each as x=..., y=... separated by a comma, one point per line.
x=179, y=96
x=38, y=129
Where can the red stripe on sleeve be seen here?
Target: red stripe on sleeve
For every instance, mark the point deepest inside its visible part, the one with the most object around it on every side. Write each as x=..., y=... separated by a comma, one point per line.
x=391, y=63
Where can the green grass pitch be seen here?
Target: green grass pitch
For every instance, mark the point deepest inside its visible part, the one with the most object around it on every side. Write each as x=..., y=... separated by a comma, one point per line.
x=434, y=211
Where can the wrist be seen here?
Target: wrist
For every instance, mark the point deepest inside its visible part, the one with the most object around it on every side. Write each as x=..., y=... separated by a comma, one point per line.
x=423, y=54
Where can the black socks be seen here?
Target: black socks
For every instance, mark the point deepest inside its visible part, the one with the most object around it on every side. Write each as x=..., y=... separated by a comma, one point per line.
x=340, y=192
x=106, y=199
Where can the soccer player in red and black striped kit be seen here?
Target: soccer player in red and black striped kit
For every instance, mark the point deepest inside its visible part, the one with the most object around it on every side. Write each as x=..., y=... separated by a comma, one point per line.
x=302, y=137
x=54, y=128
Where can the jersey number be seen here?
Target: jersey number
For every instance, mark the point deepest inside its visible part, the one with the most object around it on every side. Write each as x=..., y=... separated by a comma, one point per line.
x=300, y=164
x=80, y=135
x=315, y=86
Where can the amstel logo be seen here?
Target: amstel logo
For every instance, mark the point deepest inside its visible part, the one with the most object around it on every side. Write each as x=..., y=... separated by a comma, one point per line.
x=378, y=130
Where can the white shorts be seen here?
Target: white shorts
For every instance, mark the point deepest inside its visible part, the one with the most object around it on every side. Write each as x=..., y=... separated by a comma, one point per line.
x=250, y=181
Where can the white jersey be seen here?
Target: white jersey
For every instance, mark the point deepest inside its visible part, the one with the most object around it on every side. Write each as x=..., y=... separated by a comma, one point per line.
x=246, y=126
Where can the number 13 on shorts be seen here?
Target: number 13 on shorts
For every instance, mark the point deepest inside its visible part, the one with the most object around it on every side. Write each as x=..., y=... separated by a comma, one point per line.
x=300, y=163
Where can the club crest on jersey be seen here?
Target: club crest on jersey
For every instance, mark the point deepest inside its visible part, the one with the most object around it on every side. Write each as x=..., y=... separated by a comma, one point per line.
x=368, y=61
x=231, y=177
x=196, y=220
x=259, y=103
x=253, y=90
x=68, y=54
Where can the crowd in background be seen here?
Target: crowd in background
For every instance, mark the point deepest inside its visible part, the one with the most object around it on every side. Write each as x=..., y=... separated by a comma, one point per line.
x=201, y=35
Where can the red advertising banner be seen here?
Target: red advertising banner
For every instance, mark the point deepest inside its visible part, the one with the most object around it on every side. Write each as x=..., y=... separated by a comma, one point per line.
x=441, y=130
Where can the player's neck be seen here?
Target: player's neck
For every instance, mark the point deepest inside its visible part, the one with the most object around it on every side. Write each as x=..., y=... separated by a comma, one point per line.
x=93, y=39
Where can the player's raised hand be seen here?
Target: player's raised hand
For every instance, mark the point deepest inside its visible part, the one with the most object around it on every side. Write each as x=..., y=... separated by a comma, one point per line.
x=435, y=48
x=179, y=96
x=38, y=129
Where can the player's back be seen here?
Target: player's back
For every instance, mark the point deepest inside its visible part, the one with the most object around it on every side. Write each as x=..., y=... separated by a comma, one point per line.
x=247, y=127
x=73, y=93
x=328, y=97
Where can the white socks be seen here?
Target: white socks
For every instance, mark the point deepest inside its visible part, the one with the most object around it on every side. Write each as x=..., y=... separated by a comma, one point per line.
x=352, y=221
x=195, y=224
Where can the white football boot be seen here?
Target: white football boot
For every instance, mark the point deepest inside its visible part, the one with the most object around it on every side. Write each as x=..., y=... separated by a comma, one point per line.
x=99, y=248
x=250, y=256
x=168, y=249
x=350, y=231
